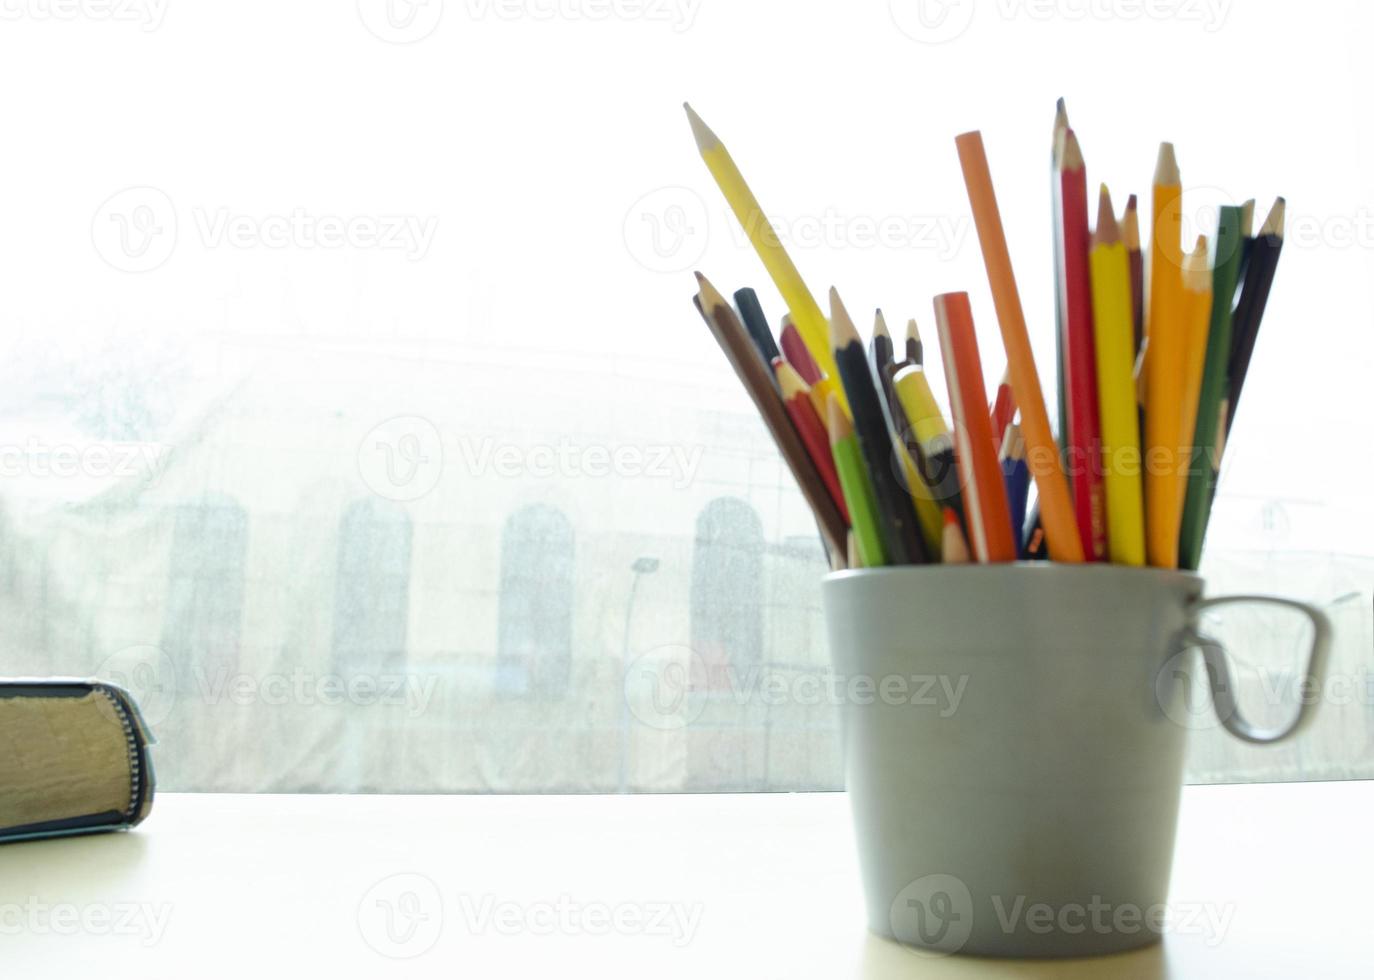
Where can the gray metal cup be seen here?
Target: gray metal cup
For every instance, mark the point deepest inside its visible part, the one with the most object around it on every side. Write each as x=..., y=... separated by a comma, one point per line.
x=1015, y=793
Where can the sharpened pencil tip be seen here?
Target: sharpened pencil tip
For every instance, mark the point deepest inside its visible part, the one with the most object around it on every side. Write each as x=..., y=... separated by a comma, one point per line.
x=702, y=132
x=842, y=331
x=879, y=324
x=1166, y=165
x=1061, y=116
x=1273, y=225
x=913, y=332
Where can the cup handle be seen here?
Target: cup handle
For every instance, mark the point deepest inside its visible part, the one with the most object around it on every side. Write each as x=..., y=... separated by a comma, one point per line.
x=1219, y=674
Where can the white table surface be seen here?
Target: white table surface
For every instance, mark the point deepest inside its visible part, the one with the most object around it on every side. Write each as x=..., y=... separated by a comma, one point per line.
x=701, y=886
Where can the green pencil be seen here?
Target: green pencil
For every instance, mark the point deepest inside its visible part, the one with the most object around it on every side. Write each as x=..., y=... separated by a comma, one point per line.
x=854, y=482
x=1212, y=396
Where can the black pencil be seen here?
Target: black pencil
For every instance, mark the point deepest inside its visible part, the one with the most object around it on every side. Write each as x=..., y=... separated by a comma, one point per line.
x=747, y=302
x=897, y=518
x=880, y=349
x=1254, y=296
x=915, y=350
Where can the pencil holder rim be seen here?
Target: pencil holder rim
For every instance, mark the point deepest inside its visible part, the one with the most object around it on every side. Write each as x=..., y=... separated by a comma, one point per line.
x=1092, y=570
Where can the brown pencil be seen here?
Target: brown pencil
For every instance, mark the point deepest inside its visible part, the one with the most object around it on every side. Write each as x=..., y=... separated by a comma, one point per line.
x=734, y=341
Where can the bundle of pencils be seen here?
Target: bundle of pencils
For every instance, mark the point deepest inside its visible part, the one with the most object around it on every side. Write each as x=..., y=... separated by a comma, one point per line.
x=1153, y=339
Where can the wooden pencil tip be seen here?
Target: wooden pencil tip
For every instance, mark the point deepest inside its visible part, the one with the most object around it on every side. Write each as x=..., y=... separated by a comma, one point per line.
x=1197, y=277
x=789, y=381
x=1107, y=231
x=710, y=294
x=1130, y=225
x=1166, y=165
x=880, y=324
x=1061, y=116
x=702, y=132
x=837, y=423
x=1131, y=204
x=1273, y=225
x=842, y=330
x=1071, y=154
x=1247, y=218
x=913, y=332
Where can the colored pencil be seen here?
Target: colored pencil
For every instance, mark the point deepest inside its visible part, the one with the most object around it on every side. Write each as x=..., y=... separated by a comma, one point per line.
x=1247, y=239
x=802, y=305
x=747, y=303
x=880, y=350
x=915, y=350
x=739, y=351
x=1016, y=476
x=1061, y=125
x=1033, y=547
x=934, y=446
x=1211, y=404
x=896, y=517
x=857, y=488
x=797, y=353
x=799, y=357
x=796, y=395
x=1042, y=455
x=1084, y=444
x=1196, y=316
x=1003, y=409
x=1130, y=234
x=985, y=494
x=954, y=550
x=1254, y=296
x=1114, y=333
x=1163, y=368
x=923, y=498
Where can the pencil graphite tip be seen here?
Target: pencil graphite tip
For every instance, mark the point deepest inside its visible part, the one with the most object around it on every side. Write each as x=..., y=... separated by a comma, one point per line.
x=1061, y=116
x=1166, y=165
x=705, y=138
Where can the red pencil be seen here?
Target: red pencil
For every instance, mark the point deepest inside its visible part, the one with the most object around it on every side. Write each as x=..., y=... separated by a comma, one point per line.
x=1003, y=409
x=796, y=395
x=985, y=494
x=794, y=349
x=1084, y=442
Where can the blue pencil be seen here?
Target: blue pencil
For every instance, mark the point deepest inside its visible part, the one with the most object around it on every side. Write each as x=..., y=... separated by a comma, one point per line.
x=1016, y=474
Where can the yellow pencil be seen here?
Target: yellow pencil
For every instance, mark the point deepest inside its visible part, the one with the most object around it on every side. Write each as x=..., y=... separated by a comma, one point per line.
x=806, y=313
x=1196, y=317
x=1114, y=335
x=1164, y=368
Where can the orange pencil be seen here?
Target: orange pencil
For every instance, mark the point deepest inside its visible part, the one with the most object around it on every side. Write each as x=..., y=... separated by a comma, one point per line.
x=985, y=494
x=1042, y=454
